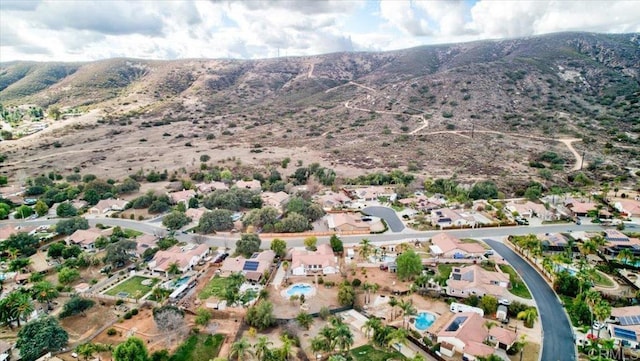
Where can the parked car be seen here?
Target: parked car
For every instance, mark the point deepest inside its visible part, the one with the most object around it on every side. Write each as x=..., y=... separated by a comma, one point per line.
x=504, y=301
x=598, y=325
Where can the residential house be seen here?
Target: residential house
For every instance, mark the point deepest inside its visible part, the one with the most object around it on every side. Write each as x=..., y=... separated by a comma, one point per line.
x=333, y=200
x=5, y=350
x=7, y=231
x=447, y=217
x=145, y=242
x=108, y=205
x=347, y=222
x=276, y=200
x=447, y=246
x=475, y=280
x=186, y=257
x=372, y=193
x=423, y=203
x=579, y=208
x=628, y=207
x=321, y=261
x=253, y=268
x=616, y=241
x=49, y=357
x=196, y=213
x=530, y=209
x=86, y=238
x=555, y=242
x=206, y=188
x=182, y=197
x=625, y=327
x=467, y=333
x=253, y=185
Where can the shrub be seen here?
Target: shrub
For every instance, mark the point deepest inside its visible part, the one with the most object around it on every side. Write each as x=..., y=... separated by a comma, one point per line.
x=119, y=302
x=112, y=332
x=134, y=312
x=356, y=282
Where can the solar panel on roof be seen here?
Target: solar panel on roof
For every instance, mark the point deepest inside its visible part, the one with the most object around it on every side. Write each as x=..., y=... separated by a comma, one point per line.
x=250, y=266
x=624, y=333
x=629, y=320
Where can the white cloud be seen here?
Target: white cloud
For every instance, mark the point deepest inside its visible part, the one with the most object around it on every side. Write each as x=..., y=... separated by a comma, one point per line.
x=87, y=30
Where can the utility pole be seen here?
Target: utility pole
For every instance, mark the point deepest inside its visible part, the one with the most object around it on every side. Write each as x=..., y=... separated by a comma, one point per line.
x=582, y=160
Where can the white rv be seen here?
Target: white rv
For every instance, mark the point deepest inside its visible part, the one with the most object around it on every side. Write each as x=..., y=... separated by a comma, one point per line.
x=459, y=307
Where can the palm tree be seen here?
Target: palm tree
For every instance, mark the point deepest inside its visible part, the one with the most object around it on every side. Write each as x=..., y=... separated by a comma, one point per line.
x=548, y=265
x=241, y=349
x=625, y=255
x=588, y=247
x=304, y=320
x=343, y=337
x=44, y=291
x=407, y=310
x=366, y=248
x=372, y=327
x=592, y=298
x=261, y=348
x=20, y=305
x=236, y=279
x=529, y=316
x=393, y=302
x=286, y=349
x=86, y=350
x=330, y=341
x=602, y=311
x=158, y=294
x=397, y=336
x=173, y=269
x=320, y=343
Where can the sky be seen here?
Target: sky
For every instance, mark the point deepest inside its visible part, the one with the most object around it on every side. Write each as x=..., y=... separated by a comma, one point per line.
x=68, y=30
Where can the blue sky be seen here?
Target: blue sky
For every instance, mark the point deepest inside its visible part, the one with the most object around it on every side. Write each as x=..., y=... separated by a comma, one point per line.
x=72, y=30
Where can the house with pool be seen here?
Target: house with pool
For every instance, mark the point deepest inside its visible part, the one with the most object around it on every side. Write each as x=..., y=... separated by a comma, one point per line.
x=321, y=261
x=475, y=280
x=253, y=268
x=467, y=333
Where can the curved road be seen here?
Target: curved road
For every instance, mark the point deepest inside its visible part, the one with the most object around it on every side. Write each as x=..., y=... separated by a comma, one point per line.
x=558, y=343
x=388, y=214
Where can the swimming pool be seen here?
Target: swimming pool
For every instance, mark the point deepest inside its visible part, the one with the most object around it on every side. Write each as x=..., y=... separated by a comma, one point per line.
x=424, y=320
x=181, y=281
x=300, y=289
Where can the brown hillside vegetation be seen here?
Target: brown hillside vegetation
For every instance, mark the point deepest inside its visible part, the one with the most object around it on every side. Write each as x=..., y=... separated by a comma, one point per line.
x=485, y=109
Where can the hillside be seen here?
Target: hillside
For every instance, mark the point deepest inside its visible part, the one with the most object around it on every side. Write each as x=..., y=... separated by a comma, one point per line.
x=486, y=109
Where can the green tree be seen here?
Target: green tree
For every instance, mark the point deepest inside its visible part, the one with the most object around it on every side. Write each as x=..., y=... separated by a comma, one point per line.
x=203, y=316
x=279, y=246
x=484, y=190
x=310, y=242
x=336, y=244
x=261, y=348
x=76, y=305
x=40, y=336
x=67, y=275
x=86, y=350
x=23, y=211
x=44, y=291
x=304, y=320
x=294, y=223
x=92, y=197
x=118, y=252
x=602, y=311
x=66, y=210
x=175, y=220
x=173, y=268
x=24, y=244
x=215, y=220
x=41, y=208
x=529, y=316
x=248, y=244
x=409, y=265
x=489, y=304
x=346, y=294
x=68, y=226
x=260, y=315
x=240, y=350
x=133, y=349
x=54, y=112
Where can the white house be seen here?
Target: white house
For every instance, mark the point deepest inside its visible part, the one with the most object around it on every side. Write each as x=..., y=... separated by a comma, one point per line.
x=321, y=261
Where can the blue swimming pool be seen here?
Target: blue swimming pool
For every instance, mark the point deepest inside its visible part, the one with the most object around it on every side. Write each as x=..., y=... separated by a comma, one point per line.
x=300, y=289
x=181, y=281
x=424, y=320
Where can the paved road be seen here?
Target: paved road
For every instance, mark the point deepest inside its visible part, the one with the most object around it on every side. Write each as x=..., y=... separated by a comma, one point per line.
x=558, y=343
x=388, y=214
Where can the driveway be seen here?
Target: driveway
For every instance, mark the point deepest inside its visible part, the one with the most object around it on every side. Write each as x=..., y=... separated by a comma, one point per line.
x=557, y=334
x=388, y=214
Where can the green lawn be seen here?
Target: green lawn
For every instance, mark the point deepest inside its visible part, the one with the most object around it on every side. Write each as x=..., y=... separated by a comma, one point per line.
x=518, y=287
x=132, y=285
x=368, y=353
x=199, y=347
x=444, y=271
x=131, y=233
x=601, y=280
x=215, y=287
